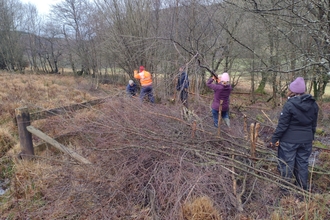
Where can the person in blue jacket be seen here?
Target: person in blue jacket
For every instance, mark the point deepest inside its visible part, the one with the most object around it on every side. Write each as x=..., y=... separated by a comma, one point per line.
x=295, y=133
x=131, y=88
x=183, y=85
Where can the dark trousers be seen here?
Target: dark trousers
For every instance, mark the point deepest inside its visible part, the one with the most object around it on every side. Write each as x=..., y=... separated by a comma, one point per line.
x=147, y=91
x=184, y=97
x=215, y=114
x=293, y=161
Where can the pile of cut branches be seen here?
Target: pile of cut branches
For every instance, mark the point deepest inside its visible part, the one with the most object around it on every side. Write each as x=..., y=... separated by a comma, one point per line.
x=151, y=162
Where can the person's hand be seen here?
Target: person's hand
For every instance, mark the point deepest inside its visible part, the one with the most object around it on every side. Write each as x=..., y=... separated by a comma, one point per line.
x=276, y=144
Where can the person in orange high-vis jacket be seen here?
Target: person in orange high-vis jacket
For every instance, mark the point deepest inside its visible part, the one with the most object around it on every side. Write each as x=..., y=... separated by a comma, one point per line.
x=146, y=84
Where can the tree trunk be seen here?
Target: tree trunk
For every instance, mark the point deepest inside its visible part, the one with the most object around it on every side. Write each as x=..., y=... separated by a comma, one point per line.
x=262, y=84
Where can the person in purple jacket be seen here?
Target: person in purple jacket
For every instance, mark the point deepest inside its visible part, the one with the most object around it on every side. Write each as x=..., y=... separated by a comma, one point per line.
x=222, y=90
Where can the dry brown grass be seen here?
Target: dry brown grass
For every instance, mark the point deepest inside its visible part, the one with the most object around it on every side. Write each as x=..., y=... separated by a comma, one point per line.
x=291, y=208
x=145, y=163
x=200, y=208
x=7, y=141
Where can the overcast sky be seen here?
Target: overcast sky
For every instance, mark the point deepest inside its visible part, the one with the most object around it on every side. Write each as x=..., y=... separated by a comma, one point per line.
x=43, y=6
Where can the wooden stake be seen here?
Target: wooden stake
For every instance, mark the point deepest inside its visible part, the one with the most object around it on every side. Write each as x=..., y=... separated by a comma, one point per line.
x=238, y=197
x=233, y=178
x=254, y=132
x=245, y=128
x=193, y=126
x=252, y=141
x=219, y=117
x=25, y=137
x=255, y=139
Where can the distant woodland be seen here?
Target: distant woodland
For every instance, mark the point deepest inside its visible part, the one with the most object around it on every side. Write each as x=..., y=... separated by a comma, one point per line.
x=272, y=40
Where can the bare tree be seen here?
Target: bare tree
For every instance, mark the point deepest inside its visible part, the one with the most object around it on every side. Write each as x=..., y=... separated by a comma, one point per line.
x=32, y=29
x=51, y=47
x=128, y=31
x=208, y=30
x=165, y=34
x=287, y=38
x=303, y=35
x=73, y=15
x=11, y=49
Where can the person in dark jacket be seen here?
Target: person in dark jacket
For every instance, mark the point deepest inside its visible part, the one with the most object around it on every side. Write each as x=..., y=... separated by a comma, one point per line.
x=131, y=88
x=222, y=92
x=295, y=133
x=183, y=85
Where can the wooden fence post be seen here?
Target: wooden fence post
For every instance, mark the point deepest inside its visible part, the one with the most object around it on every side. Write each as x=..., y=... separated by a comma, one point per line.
x=25, y=137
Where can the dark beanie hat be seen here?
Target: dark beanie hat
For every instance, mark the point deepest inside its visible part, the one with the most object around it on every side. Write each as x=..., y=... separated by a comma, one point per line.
x=141, y=68
x=298, y=86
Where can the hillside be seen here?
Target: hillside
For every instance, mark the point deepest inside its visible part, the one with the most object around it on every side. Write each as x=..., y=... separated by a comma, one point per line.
x=148, y=161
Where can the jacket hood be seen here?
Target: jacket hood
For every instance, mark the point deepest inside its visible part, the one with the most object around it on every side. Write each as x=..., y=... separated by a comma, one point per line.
x=303, y=102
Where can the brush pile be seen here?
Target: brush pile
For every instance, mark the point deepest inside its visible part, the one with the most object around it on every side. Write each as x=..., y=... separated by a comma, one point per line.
x=151, y=162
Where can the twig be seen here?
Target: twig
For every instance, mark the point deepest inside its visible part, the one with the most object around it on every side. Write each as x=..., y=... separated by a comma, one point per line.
x=238, y=196
x=267, y=117
x=251, y=191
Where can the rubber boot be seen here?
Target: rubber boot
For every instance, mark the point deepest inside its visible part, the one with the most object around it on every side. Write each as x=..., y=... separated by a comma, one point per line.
x=227, y=121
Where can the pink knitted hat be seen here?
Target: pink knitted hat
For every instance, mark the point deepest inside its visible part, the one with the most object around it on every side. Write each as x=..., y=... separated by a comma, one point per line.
x=298, y=85
x=225, y=77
